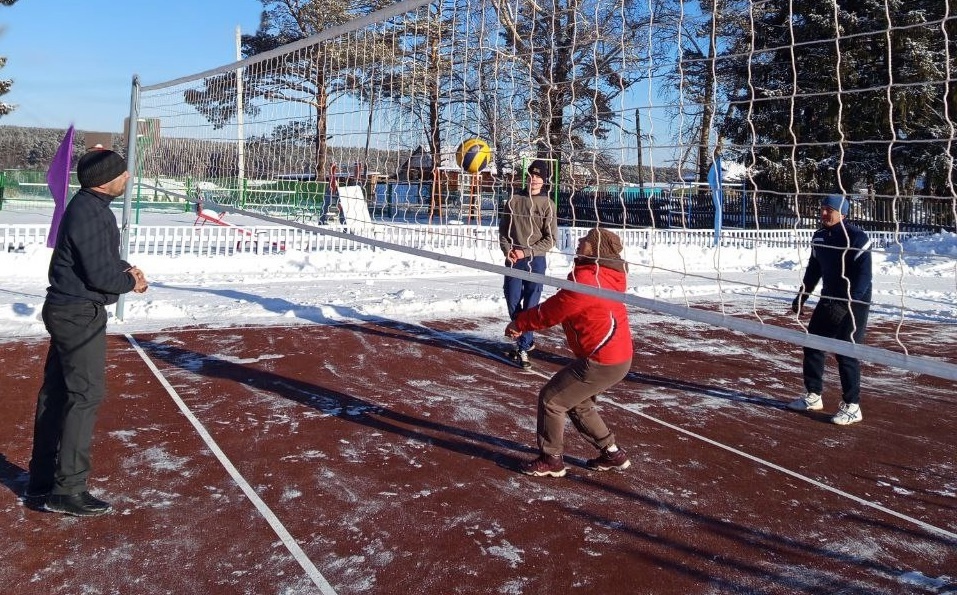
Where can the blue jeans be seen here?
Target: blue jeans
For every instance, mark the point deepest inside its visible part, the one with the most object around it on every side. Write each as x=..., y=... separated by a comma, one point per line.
x=520, y=295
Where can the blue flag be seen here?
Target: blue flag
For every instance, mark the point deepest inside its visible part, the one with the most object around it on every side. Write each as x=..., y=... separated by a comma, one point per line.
x=717, y=195
x=58, y=181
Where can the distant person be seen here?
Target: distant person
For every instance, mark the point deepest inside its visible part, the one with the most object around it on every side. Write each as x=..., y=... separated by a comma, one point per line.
x=86, y=274
x=527, y=229
x=598, y=334
x=841, y=259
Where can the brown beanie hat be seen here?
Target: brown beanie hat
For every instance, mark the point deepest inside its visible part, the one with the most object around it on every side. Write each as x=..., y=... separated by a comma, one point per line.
x=98, y=167
x=607, y=244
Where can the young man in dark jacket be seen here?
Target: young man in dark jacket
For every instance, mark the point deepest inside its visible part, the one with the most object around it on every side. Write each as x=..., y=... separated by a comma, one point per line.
x=597, y=332
x=86, y=275
x=841, y=260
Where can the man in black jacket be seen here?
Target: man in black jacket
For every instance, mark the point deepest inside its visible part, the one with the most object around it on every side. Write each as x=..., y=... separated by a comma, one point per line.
x=841, y=261
x=86, y=275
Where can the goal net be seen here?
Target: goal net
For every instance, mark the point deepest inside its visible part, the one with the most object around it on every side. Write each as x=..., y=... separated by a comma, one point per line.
x=688, y=127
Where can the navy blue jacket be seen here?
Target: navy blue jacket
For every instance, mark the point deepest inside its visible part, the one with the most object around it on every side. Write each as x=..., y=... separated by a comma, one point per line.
x=844, y=272
x=86, y=264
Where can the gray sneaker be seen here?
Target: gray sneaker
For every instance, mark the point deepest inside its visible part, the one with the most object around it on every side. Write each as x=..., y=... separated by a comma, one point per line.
x=809, y=402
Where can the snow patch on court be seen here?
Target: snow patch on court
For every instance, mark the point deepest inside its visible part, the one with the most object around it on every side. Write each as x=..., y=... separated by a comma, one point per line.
x=918, y=579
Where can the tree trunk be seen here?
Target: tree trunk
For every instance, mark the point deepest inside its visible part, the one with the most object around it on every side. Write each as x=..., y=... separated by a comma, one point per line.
x=641, y=167
x=322, y=100
x=707, y=112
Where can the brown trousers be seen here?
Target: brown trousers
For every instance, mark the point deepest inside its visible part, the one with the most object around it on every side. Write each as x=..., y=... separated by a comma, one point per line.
x=573, y=391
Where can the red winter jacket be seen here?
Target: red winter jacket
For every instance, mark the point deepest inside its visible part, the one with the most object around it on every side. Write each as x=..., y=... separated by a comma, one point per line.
x=595, y=328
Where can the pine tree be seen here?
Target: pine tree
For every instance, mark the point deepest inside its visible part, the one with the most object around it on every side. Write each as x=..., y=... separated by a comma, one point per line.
x=862, y=89
x=5, y=84
x=579, y=56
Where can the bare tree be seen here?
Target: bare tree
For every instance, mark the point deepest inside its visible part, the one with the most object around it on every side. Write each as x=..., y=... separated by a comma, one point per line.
x=696, y=33
x=578, y=57
x=312, y=75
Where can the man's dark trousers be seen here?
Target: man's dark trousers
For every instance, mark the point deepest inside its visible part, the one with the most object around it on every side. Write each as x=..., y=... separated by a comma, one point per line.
x=849, y=328
x=73, y=388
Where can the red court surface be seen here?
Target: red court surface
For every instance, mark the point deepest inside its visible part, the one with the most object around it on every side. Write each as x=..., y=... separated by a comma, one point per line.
x=380, y=458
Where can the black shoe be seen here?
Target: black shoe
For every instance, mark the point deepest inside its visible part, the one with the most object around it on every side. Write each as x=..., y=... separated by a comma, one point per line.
x=36, y=492
x=82, y=504
x=523, y=360
x=520, y=357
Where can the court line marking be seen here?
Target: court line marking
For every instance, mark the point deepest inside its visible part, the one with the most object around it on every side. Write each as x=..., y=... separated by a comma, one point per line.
x=868, y=503
x=284, y=535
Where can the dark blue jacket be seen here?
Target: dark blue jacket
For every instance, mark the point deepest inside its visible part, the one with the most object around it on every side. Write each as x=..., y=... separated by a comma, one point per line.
x=86, y=264
x=841, y=258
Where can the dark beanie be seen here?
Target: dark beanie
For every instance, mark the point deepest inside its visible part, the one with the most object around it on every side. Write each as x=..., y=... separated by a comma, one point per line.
x=98, y=167
x=607, y=244
x=837, y=202
x=540, y=168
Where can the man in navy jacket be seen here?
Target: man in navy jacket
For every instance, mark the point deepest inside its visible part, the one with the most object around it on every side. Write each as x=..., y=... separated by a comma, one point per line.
x=86, y=275
x=841, y=260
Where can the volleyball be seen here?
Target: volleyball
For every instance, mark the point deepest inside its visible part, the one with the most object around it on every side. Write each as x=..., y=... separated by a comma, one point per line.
x=473, y=155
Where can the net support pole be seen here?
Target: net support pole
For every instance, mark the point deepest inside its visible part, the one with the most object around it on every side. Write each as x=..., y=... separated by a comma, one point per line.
x=240, y=134
x=132, y=128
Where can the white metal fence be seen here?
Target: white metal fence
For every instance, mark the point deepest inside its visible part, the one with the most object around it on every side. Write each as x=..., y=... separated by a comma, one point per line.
x=214, y=240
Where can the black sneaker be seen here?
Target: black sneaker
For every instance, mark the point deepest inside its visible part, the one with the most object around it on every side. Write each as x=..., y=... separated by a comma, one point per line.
x=523, y=360
x=520, y=357
x=82, y=504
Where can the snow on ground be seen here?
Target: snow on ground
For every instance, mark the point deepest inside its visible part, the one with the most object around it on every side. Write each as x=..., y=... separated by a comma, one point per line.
x=918, y=280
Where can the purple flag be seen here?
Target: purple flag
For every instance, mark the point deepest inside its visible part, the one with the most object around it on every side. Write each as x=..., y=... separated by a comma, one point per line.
x=58, y=181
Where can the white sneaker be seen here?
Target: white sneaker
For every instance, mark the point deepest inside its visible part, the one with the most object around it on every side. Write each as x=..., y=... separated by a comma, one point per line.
x=523, y=360
x=847, y=414
x=809, y=402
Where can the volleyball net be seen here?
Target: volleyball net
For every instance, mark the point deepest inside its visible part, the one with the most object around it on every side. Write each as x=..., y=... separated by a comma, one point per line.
x=660, y=118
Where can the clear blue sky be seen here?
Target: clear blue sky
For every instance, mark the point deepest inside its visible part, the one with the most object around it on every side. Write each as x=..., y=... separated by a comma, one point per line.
x=73, y=61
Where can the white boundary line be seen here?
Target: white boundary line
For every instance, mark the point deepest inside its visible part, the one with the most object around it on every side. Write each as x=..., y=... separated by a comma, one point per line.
x=926, y=526
x=287, y=539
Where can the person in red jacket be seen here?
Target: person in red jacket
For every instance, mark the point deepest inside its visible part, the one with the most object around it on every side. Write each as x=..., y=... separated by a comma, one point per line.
x=597, y=333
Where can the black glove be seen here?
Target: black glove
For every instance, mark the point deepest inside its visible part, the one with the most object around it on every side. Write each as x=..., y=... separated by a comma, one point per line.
x=798, y=302
x=837, y=311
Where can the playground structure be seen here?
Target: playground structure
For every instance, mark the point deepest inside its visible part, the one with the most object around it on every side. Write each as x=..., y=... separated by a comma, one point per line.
x=204, y=216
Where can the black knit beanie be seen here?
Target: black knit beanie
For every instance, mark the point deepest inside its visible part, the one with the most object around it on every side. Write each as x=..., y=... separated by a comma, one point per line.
x=98, y=167
x=540, y=168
